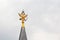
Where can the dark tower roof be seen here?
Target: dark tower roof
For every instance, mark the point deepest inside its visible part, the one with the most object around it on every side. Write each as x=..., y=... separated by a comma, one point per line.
x=22, y=34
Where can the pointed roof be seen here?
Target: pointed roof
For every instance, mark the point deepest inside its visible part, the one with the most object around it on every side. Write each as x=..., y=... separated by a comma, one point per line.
x=22, y=34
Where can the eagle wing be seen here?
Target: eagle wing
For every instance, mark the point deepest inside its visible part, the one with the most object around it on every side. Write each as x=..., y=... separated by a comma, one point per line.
x=25, y=15
x=19, y=14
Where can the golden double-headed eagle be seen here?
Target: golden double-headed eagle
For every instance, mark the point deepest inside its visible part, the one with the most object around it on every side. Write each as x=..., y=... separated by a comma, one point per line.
x=22, y=17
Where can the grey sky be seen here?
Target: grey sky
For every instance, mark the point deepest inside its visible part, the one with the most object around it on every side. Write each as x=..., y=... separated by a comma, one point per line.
x=43, y=19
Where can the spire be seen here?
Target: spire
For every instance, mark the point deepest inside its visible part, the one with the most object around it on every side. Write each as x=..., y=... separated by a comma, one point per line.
x=22, y=35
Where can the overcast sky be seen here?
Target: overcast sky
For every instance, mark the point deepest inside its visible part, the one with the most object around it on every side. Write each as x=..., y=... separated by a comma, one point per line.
x=43, y=19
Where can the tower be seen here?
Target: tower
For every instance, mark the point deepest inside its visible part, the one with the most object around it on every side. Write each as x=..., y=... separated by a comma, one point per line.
x=22, y=35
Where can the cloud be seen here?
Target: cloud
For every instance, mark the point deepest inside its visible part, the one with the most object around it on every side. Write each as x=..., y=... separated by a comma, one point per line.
x=3, y=4
x=43, y=15
x=42, y=35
